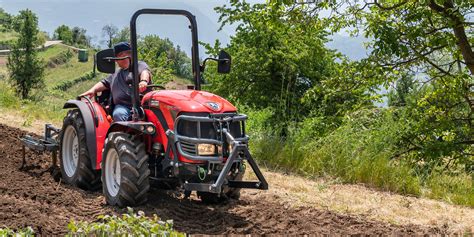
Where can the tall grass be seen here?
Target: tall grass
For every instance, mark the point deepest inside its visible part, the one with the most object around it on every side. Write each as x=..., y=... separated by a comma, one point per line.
x=362, y=150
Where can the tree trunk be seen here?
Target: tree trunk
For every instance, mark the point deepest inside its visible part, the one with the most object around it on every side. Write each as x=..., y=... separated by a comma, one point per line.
x=459, y=31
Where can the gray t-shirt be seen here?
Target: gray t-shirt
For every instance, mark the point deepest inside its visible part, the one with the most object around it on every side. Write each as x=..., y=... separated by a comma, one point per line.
x=120, y=84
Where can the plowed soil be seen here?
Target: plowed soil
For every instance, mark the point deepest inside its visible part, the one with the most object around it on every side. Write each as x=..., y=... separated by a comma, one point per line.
x=31, y=197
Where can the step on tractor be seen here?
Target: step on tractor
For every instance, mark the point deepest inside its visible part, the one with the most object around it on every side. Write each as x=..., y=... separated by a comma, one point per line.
x=189, y=140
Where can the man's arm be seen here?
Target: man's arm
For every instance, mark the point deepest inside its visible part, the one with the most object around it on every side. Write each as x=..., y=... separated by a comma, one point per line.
x=98, y=87
x=144, y=80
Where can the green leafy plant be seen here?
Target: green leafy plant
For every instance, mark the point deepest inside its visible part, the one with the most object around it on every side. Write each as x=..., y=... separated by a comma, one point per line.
x=129, y=224
x=26, y=232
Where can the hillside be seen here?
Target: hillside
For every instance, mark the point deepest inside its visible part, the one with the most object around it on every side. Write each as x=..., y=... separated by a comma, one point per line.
x=65, y=78
x=62, y=70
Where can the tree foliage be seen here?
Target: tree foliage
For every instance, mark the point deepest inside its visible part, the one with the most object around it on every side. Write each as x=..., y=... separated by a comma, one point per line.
x=64, y=33
x=428, y=40
x=164, y=58
x=404, y=87
x=280, y=62
x=79, y=37
x=25, y=68
x=5, y=20
x=122, y=36
x=73, y=36
x=110, y=31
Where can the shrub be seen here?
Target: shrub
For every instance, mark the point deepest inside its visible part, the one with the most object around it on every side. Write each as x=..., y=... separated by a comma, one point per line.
x=359, y=151
x=129, y=224
x=60, y=59
x=28, y=231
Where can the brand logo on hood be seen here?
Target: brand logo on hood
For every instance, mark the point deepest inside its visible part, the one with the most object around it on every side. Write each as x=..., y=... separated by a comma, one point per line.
x=214, y=106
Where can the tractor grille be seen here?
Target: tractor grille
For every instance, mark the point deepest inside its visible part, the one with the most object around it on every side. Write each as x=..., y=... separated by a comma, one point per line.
x=205, y=130
x=188, y=147
x=191, y=129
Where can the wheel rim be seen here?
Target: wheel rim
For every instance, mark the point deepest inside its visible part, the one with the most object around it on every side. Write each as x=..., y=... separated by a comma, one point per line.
x=70, y=151
x=112, y=172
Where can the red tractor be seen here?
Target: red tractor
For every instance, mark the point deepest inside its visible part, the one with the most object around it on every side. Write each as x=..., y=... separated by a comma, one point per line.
x=186, y=139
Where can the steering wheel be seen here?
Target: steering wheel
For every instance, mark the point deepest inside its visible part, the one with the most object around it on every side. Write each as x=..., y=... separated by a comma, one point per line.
x=156, y=86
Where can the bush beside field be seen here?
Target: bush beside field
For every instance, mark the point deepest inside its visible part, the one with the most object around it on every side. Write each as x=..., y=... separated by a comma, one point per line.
x=362, y=150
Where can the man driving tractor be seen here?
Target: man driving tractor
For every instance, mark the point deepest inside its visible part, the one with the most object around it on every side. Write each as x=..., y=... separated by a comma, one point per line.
x=119, y=83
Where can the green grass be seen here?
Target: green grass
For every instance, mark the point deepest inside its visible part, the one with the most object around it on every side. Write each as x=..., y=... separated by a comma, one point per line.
x=52, y=52
x=359, y=151
x=64, y=72
x=457, y=189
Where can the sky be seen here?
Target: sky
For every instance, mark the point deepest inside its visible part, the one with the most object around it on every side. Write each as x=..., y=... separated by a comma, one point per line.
x=93, y=15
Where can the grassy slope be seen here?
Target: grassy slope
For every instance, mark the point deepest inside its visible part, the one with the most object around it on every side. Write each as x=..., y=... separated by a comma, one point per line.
x=9, y=35
x=49, y=107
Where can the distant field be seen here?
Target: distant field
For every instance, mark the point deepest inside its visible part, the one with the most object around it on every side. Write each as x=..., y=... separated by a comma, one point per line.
x=9, y=35
x=47, y=102
x=65, y=72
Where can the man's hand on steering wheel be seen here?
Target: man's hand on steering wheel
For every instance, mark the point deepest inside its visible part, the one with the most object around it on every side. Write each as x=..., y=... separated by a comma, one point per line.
x=142, y=86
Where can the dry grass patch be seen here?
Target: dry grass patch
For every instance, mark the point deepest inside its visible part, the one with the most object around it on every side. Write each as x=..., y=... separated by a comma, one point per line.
x=363, y=201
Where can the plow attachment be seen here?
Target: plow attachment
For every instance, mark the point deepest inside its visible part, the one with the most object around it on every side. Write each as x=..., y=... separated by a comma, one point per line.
x=48, y=143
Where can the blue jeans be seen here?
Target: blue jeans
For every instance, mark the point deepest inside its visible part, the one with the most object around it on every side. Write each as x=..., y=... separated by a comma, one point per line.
x=122, y=113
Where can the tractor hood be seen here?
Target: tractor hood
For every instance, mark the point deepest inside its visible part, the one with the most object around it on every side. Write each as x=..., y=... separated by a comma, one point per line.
x=191, y=101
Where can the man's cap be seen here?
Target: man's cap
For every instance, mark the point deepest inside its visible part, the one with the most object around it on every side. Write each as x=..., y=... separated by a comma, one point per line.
x=120, y=47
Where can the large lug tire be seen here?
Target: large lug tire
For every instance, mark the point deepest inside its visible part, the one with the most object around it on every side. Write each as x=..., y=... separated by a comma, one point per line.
x=75, y=163
x=125, y=172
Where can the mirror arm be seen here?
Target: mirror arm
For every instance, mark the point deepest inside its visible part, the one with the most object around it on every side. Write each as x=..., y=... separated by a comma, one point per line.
x=110, y=59
x=203, y=66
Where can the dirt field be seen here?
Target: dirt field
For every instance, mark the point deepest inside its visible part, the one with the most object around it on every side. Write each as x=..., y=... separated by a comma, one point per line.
x=33, y=198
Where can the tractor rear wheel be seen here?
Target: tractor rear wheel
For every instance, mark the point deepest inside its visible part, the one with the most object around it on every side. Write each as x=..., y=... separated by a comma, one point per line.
x=75, y=163
x=125, y=172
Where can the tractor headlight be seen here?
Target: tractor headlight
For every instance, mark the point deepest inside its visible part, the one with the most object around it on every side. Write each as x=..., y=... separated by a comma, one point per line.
x=206, y=149
x=150, y=129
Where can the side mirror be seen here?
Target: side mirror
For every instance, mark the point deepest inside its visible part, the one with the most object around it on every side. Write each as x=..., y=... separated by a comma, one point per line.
x=223, y=64
x=104, y=61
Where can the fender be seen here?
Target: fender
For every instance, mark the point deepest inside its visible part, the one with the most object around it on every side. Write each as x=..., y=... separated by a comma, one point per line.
x=89, y=124
x=147, y=128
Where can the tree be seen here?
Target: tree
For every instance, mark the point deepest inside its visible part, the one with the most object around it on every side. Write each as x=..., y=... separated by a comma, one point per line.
x=280, y=62
x=64, y=33
x=25, y=68
x=75, y=36
x=154, y=51
x=79, y=37
x=122, y=36
x=111, y=32
x=403, y=88
x=5, y=19
x=432, y=38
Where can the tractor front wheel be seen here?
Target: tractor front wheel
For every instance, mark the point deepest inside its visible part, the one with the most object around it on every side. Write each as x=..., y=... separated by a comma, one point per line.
x=125, y=172
x=76, y=168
